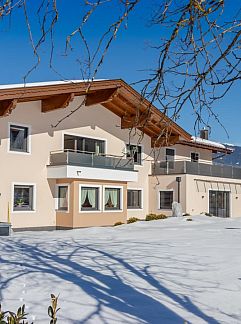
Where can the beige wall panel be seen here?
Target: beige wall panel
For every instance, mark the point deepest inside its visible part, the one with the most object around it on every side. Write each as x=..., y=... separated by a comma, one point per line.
x=165, y=182
x=95, y=121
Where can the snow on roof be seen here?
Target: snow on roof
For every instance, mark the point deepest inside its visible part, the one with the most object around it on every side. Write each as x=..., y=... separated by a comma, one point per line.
x=37, y=84
x=200, y=140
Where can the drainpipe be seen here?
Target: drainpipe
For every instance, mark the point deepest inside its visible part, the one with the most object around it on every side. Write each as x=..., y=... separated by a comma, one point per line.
x=178, y=180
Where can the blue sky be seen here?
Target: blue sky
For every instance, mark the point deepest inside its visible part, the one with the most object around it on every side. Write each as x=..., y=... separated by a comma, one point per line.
x=130, y=56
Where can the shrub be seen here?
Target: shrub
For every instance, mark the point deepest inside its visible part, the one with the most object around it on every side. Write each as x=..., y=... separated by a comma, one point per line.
x=132, y=220
x=118, y=223
x=151, y=217
x=189, y=219
x=208, y=214
x=186, y=214
x=9, y=317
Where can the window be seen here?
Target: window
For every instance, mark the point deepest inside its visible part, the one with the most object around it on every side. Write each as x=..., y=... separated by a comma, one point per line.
x=23, y=198
x=112, y=198
x=84, y=144
x=63, y=198
x=19, y=138
x=89, y=198
x=134, y=152
x=166, y=199
x=134, y=199
x=194, y=157
x=170, y=157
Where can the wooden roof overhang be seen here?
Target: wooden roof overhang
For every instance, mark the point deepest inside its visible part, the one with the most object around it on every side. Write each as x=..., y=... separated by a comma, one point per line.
x=115, y=95
x=214, y=149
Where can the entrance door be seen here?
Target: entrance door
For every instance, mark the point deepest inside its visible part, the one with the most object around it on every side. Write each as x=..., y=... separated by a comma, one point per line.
x=219, y=203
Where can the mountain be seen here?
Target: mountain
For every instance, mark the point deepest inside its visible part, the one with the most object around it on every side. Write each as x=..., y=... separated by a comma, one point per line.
x=229, y=159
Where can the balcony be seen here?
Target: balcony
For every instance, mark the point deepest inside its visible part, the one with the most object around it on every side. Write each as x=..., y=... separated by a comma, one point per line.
x=86, y=165
x=195, y=168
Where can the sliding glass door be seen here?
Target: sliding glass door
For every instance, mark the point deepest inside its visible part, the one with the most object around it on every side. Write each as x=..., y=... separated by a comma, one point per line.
x=219, y=203
x=84, y=144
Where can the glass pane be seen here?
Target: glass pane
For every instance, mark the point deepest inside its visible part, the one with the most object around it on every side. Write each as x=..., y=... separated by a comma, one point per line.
x=194, y=157
x=134, y=199
x=18, y=138
x=134, y=151
x=23, y=198
x=112, y=198
x=219, y=203
x=166, y=199
x=170, y=154
x=83, y=144
x=69, y=142
x=89, y=198
x=63, y=198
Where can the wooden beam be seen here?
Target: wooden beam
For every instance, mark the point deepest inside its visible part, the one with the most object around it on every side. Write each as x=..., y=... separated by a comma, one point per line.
x=57, y=102
x=101, y=96
x=114, y=108
x=7, y=106
x=136, y=121
x=164, y=140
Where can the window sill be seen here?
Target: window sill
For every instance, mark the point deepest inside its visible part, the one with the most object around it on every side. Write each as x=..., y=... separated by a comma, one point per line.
x=23, y=211
x=19, y=152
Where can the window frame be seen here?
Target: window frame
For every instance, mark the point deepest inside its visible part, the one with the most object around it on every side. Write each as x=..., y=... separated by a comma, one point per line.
x=34, y=196
x=85, y=136
x=121, y=199
x=86, y=185
x=170, y=166
x=141, y=153
x=29, y=128
x=141, y=197
x=159, y=198
x=57, y=197
x=197, y=159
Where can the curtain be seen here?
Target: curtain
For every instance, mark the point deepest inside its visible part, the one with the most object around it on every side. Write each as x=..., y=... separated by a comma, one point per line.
x=89, y=197
x=111, y=198
x=92, y=197
x=17, y=138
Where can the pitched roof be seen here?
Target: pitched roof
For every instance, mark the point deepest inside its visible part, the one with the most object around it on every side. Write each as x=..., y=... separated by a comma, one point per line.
x=215, y=147
x=115, y=95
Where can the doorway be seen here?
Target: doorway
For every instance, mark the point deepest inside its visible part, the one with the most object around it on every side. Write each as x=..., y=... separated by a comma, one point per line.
x=219, y=203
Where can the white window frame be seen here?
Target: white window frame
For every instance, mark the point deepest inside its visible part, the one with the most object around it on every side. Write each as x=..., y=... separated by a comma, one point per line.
x=57, y=197
x=83, y=135
x=28, y=138
x=159, y=200
x=86, y=185
x=34, y=198
x=195, y=153
x=121, y=199
x=135, y=209
x=142, y=158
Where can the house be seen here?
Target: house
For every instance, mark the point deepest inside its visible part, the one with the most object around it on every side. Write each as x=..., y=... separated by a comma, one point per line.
x=75, y=154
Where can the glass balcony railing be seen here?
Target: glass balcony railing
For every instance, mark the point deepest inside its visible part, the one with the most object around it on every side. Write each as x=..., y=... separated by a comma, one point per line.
x=195, y=168
x=93, y=160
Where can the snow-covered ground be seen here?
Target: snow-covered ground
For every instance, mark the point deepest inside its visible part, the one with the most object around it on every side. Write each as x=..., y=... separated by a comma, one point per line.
x=168, y=271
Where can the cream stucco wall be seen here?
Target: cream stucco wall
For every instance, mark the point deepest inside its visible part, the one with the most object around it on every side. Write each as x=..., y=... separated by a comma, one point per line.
x=95, y=121
x=194, y=193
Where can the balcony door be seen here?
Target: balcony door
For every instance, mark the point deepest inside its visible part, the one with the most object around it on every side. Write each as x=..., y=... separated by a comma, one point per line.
x=84, y=144
x=219, y=203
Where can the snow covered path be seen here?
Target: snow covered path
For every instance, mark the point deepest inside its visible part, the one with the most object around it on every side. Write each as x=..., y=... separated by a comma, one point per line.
x=168, y=271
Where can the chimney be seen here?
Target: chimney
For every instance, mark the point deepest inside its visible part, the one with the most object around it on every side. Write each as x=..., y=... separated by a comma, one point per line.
x=204, y=133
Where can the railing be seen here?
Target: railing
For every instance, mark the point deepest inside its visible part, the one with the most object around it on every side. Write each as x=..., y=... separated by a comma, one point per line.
x=88, y=159
x=195, y=168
